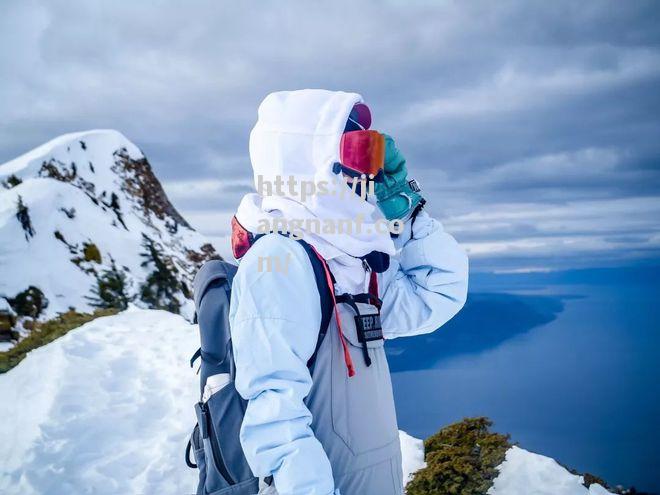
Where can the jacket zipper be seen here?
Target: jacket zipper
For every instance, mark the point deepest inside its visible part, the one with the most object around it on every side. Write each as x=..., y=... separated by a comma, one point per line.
x=217, y=455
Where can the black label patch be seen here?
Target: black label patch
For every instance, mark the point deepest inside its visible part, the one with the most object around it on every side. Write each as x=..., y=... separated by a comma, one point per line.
x=412, y=183
x=368, y=327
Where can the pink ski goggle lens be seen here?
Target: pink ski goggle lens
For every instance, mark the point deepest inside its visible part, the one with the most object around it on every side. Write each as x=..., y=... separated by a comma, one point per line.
x=362, y=152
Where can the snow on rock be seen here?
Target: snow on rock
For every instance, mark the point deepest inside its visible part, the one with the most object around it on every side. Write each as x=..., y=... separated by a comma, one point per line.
x=526, y=473
x=82, y=203
x=412, y=452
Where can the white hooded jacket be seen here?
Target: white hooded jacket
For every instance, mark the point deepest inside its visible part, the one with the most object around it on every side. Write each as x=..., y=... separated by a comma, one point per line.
x=275, y=315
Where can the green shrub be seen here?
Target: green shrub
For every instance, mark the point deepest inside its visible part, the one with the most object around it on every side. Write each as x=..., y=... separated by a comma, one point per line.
x=461, y=460
x=110, y=290
x=91, y=252
x=23, y=216
x=7, y=323
x=160, y=289
x=12, y=181
x=30, y=302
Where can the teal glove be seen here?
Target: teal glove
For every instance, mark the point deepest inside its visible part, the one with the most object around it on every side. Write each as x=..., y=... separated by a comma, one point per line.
x=398, y=198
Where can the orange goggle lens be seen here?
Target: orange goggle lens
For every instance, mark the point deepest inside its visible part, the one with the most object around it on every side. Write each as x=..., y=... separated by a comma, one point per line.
x=362, y=152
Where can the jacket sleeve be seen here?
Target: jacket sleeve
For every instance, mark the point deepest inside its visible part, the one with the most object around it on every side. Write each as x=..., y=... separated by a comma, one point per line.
x=426, y=283
x=274, y=328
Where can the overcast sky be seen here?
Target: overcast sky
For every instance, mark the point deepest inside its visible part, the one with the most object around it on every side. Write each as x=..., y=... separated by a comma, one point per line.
x=533, y=127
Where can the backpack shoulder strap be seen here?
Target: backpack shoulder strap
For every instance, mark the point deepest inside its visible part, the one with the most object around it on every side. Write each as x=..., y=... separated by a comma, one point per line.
x=325, y=296
x=211, y=271
x=319, y=267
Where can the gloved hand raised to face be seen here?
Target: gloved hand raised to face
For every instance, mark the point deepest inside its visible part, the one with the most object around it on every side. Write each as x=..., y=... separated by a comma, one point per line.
x=398, y=197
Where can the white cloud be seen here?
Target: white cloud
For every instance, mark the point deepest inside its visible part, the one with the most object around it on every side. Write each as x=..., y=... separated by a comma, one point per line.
x=181, y=190
x=511, y=88
x=533, y=126
x=583, y=233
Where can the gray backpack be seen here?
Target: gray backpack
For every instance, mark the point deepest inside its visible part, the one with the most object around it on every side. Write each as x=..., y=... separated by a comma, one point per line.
x=215, y=444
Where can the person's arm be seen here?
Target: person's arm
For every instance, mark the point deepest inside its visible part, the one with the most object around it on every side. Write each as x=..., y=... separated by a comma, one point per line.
x=426, y=283
x=275, y=318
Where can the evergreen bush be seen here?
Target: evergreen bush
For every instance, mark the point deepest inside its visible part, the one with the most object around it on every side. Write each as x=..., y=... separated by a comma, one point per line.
x=461, y=460
x=110, y=290
x=12, y=181
x=161, y=287
x=30, y=302
x=23, y=216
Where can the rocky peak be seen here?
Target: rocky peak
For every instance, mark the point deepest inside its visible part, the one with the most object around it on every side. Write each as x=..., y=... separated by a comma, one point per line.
x=85, y=223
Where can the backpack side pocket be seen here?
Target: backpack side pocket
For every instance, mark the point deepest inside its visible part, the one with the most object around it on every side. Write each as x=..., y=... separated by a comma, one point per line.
x=220, y=419
x=195, y=444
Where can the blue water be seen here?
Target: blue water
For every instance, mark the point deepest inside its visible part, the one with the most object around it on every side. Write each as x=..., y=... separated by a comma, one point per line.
x=569, y=369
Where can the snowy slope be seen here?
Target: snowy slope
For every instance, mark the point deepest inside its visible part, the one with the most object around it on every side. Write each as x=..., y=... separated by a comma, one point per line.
x=108, y=409
x=526, y=473
x=89, y=198
x=105, y=409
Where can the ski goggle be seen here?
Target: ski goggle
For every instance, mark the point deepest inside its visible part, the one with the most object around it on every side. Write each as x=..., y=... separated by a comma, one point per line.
x=362, y=152
x=241, y=239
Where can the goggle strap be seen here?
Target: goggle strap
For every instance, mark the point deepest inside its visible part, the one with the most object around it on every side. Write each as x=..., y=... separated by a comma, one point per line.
x=338, y=167
x=356, y=123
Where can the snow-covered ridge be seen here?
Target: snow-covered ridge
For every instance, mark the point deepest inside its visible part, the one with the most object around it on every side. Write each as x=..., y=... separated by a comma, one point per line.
x=108, y=409
x=524, y=473
x=104, y=141
x=83, y=214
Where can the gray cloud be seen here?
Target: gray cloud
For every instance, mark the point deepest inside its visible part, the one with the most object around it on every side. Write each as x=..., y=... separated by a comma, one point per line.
x=502, y=107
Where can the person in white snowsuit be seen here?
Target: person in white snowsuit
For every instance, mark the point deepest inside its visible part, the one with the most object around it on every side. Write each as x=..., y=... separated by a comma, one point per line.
x=327, y=429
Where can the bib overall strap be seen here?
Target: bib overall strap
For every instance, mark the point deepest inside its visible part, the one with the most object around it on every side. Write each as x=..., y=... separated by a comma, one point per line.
x=328, y=277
